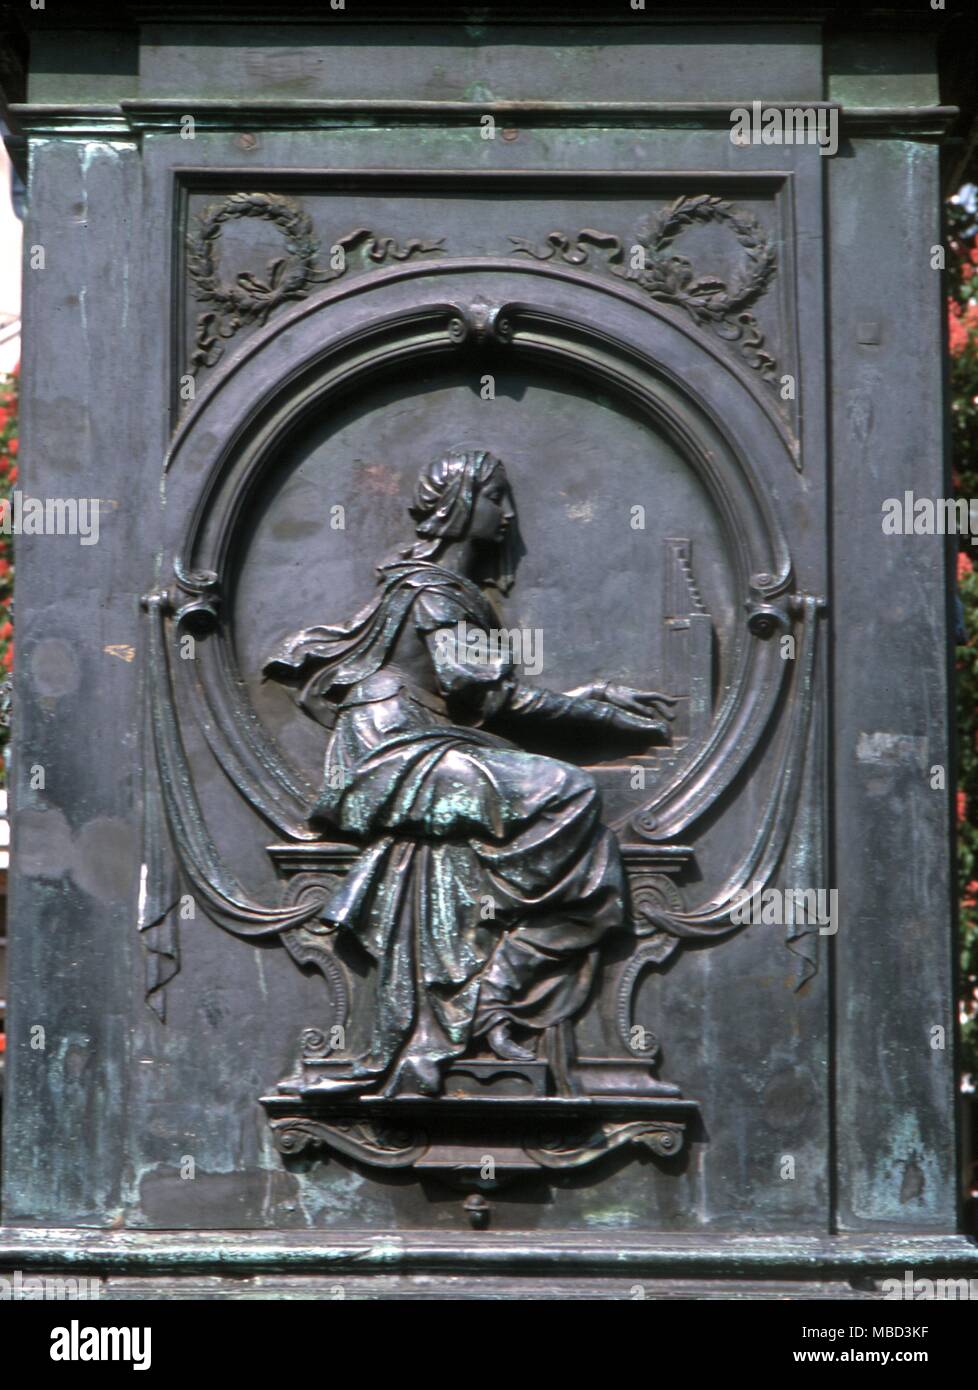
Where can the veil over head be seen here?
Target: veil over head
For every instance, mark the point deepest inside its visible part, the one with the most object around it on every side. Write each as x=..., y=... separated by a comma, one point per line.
x=442, y=508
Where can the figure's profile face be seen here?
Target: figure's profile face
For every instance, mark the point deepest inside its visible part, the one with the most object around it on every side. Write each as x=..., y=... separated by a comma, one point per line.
x=492, y=512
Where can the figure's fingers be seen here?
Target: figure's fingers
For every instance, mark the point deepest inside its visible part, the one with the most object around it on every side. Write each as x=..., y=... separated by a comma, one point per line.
x=639, y=723
x=655, y=697
x=639, y=703
x=628, y=703
x=624, y=697
x=657, y=702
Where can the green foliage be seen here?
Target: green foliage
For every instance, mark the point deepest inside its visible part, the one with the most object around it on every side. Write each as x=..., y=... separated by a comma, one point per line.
x=9, y=397
x=963, y=340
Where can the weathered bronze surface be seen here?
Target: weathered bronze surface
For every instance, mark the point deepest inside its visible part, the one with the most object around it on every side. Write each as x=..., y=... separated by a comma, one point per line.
x=415, y=949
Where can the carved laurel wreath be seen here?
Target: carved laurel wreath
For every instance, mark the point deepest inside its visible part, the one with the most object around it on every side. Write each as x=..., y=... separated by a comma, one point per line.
x=250, y=299
x=709, y=301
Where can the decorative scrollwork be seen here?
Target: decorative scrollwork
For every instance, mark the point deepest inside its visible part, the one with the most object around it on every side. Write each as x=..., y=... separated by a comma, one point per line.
x=292, y=1136
x=203, y=589
x=310, y=944
x=766, y=619
x=709, y=301
x=314, y=1042
x=772, y=610
x=574, y=252
x=663, y=1137
x=480, y=323
x=376, y=1144
x=650, y=895
x=381, y=248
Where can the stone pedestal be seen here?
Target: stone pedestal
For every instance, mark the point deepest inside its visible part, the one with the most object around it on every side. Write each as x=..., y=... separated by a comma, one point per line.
x=284, y=267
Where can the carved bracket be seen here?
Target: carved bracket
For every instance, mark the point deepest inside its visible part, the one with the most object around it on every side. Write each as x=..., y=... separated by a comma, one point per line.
x=479, y=1145
x=480, y=324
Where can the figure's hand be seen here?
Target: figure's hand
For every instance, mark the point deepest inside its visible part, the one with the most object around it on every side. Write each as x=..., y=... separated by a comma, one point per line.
x=625, y=722
x=639, y=702
x=615, y=707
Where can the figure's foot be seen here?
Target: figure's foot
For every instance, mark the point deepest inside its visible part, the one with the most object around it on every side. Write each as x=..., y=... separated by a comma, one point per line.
x=503, y=1045
x=654, y=1087
x=415, y=1076
x=366, y=1067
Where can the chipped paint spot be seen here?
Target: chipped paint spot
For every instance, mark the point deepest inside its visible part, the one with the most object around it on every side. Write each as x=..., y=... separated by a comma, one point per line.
x=379, y=477
x=892, y=749
x=141, y=906
x=612, y=1218
x=260, y=967
x=54, y=668
x=901, y=1177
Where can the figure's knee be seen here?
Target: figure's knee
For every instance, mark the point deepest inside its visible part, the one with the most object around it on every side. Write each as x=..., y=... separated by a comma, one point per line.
x=577, y=785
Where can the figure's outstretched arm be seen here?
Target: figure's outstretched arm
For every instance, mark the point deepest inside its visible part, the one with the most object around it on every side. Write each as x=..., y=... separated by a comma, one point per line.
x=472, y=671
x=492, y=688
x=584, y=708
x=626, y=697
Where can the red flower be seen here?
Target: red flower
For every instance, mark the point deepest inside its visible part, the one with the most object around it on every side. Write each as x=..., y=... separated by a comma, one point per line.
x=8, y=658
x=962, y=808
x=4, y=567
x=957, y=336
x=965, y=564
x=6, y=631
x=13, y=445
